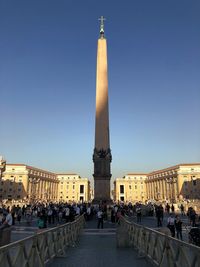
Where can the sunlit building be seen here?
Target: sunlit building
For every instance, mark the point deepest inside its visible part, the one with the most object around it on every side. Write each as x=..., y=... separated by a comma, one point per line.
x=130, y=188
x=73, y=188
x=174, y=183
x=28, y=184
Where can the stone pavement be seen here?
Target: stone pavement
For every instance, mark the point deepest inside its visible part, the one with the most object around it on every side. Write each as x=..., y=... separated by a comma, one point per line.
x=97, y=248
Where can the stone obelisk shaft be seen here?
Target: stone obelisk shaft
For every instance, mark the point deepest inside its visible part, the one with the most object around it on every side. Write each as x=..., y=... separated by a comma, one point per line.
x=102, y=117
x=102, y=153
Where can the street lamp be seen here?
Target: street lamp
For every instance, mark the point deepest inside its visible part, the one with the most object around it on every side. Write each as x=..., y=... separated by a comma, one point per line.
x=32, y=193
x=2, y=166
x=171, y=181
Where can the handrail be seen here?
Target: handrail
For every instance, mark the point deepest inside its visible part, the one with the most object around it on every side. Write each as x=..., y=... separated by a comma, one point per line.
x=160, y=249
x=42, y=247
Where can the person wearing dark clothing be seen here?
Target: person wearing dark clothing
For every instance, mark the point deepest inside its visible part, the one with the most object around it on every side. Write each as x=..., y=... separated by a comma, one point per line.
x=182, y=209
x=113, y=215
x=178, y=226
x=159, y=215
x=193, y=217
x=139, y=213
x=172, y=208
x=167, y=208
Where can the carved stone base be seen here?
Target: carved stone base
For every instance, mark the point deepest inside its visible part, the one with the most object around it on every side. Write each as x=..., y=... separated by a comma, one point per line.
x=101, y=190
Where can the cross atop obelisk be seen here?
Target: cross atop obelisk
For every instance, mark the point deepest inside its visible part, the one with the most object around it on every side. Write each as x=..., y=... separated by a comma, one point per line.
x=102, y=19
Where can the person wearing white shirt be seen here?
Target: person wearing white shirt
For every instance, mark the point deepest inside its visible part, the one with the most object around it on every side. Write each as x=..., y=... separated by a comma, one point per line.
x=8, y=221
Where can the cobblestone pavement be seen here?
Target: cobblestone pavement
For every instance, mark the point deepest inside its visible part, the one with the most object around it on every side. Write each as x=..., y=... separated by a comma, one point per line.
x=97, y=248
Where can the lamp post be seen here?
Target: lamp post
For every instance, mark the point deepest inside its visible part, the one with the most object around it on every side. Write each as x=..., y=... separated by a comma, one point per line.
x=171, y=181
x=2, y=166
x=32, y=193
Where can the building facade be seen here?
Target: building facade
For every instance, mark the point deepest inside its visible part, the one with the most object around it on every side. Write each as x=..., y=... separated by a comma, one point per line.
x=130, y=188
x=73, y=188
x=174, y=183
x=28, y=184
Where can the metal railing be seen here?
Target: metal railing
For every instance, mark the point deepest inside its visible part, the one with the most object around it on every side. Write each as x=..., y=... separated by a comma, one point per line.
x=39, y=249
x=160, y=249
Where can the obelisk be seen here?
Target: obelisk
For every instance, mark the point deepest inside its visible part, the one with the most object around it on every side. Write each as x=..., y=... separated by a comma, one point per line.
x=102, y=153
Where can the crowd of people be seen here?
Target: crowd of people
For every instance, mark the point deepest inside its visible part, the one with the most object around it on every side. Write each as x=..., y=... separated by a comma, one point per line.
x=57, y=213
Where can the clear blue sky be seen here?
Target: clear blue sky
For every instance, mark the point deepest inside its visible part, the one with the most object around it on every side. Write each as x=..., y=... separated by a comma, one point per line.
x=47, y=83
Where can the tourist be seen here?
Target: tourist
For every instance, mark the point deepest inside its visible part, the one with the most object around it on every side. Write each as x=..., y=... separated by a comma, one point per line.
x=113, y=215
x=88, y=212
x=19, y=214
x=172, y=208
x=182, y=209
x=49, y=214
x=171, y=224
x=8, y=220
x=100, y=218
x=178, y=226
x=193, y=217
x=159, y=215
x=139, y=213
x=167, y=208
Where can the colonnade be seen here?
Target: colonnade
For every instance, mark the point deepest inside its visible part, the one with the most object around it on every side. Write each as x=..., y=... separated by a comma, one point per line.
x=43, y=189
x=161, y=189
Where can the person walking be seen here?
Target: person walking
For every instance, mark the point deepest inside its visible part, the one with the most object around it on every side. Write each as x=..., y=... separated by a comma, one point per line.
x=159, y=215
x=178, y=225
x=139, y=213
x=171, y=225
x=100, y=218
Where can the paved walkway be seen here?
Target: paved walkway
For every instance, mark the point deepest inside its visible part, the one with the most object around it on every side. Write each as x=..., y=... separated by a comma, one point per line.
x=97, y=248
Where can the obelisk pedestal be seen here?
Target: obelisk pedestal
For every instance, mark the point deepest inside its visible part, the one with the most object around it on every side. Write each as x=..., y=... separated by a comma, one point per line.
x=102, y=153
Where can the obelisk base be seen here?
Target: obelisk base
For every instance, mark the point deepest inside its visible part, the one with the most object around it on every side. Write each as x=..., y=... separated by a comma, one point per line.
x=102, y=191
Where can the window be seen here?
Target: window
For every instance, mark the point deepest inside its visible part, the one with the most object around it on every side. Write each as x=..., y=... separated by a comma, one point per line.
x=135, y=186
x=121, y=189
x=129, y=186
x=122, y=198
x=73, y=187
x=81, y=189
